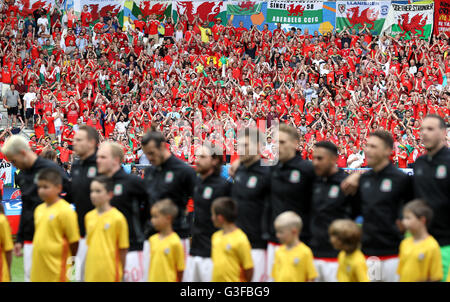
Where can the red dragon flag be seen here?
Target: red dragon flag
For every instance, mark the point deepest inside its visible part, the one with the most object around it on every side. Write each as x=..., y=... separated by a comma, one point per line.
x=295, y=12
x=206, y=10
x=356, y=14
x=27, y=7
x=158, y=8
x=99, y=8
x=410, y=20
x=244, y=7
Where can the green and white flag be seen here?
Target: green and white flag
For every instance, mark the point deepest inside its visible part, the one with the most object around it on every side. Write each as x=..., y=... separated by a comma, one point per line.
x=356, y=14
x=244, y=7
x=295, y=12
x=410, y=20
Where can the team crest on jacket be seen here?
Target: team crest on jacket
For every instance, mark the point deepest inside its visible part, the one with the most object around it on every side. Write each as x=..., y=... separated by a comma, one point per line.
x=386, y=185
x=295, y=176
x=441, y=172
x=252, y=181
x=118, y=190
x=169, y=177
x=92, y=172
x=366, y=184
x=228, y=247
x=167, y=251
x=51, y=217
x=334, y=191
x=107, y=225
x=421, y=256
x=207, y=193
x=296, y=261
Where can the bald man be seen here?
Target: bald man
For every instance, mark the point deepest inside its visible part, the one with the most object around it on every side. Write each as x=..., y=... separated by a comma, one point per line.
x=19, y=153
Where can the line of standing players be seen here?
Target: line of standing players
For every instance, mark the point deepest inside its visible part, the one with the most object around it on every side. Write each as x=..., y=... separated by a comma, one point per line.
x=317, y=191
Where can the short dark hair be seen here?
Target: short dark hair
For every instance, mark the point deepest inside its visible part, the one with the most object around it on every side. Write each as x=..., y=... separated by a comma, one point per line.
x=92, y=134
x=51, y=175
x=420, y=209
x=49, y=154
x=215, y=154
x=385, y=136
x=154, y=136
x=106, y=182
x=226, y=207
x=442, y=123
x=327, y=145
x=290, y=130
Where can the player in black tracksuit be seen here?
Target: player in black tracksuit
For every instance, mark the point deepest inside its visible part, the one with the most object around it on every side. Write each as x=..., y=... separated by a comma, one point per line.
x=172, y=179
x=205, y=191
x=251, y=192
x=210, y=185
x=168, y=177
x=23, y=158
x=328, y=204
x=82, y=173
x=290, y=188
x=30, y=198
x=131, y=199
x=432, y=182
x=84, y=169
x=382, y=193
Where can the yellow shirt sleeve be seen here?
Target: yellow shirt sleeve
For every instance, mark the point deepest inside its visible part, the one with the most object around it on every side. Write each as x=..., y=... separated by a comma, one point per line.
x=400, y=258
x=276, y=266
x=436, y=273
x=69, y=225
x=245, y=254
x=5, y=234
x=123, y=233
x=179, y=256
x=310, y=268
x=361, y=272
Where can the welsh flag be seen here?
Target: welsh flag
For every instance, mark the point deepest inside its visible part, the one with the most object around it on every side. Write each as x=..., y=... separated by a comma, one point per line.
x=410, y=20
x=27, y=7
x=206, y=10
x=243, y=7
x=354, y=14
x=158, y=8
x=99, y=8
x=295, y=12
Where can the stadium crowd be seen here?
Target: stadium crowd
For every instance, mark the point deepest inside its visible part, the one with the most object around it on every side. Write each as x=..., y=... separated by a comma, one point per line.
x=341, y=99
x=60, y=72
